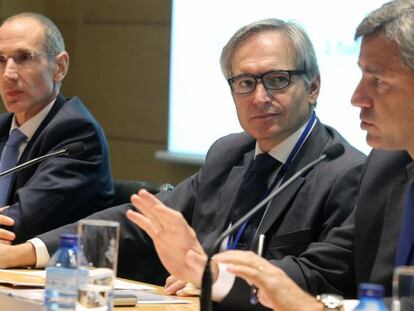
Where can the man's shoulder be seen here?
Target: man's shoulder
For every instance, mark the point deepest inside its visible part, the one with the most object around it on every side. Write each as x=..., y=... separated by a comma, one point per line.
x=387, y=163
x=231, y=146
x=351, y=153
x=70, y=112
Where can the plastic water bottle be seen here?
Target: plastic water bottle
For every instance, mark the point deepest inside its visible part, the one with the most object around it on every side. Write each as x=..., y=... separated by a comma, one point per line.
x=370, y=298
x=61, y=276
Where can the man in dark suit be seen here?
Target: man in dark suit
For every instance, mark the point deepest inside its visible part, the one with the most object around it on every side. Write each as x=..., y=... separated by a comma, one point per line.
x=307, y=211
x=33, y=63
x=275, y=92
x=367, y=247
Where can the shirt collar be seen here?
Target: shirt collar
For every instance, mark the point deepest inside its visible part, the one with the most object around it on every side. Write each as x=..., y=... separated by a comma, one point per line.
x=29, y=127
x=282, y=151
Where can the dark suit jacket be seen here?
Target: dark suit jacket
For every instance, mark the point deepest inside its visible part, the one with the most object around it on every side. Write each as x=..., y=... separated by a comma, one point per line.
x=304, y=213
x=363, y=248
x=64, y=189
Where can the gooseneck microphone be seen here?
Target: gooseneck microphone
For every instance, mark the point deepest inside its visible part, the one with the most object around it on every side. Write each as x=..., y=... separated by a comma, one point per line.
x=69, y=150
x=331, y=153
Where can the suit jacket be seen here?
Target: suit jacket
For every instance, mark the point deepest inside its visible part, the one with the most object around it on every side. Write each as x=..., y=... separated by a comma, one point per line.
x=304, y=213
x=363, y=249
x=59, y=190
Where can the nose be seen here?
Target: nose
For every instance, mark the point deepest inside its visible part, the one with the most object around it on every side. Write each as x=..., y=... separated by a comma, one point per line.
x=361, y=97
x=260, y=94
x=10, y=70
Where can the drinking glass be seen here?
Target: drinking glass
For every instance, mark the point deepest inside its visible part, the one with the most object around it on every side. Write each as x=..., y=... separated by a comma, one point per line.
x=403, y=289
x=98, y=255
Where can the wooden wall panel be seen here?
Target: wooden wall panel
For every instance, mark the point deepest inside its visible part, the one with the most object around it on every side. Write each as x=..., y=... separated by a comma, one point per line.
x=128, y=66
x=127, y=11
x=139, y=163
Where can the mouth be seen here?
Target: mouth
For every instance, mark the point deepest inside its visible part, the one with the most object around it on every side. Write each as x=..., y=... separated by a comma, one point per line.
x=13, y=93
x=264, y=116
x=365, y=125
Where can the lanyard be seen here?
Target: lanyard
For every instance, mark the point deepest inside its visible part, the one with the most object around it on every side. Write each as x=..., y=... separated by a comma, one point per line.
x=232, y=241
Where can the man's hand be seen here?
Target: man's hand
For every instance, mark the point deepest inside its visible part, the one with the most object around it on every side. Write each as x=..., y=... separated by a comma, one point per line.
x=171, y=235
x=21, y=255
x=6, y=236
x=276, y=289
x=174, y=286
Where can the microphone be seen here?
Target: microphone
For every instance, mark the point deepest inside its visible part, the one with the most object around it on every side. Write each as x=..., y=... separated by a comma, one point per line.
x=69, y=150
x=331, y=153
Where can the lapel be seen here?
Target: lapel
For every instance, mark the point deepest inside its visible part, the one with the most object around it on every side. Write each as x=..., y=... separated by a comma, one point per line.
x=5, y=123
x=313, y=147
x=225, y=197
x=229, y=191
x=27, y=153
x=33, y=148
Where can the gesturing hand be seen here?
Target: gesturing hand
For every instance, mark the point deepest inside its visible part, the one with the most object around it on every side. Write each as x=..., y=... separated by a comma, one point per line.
x=170, y=233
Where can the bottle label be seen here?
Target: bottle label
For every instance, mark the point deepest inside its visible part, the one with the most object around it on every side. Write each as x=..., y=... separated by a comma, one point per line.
x=61, y=288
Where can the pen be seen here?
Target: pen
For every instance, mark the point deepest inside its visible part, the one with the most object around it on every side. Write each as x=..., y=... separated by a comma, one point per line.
x=253, y=289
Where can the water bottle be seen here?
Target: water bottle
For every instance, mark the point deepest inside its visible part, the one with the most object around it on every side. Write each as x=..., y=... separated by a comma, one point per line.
x=61, y=276
x=370, y=298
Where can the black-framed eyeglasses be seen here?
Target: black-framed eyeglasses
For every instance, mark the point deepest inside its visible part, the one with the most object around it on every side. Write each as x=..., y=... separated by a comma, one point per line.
x=22, y=59
x=272, y=80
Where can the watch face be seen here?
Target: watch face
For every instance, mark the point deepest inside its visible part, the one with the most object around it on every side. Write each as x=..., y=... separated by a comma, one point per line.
x=331, y=301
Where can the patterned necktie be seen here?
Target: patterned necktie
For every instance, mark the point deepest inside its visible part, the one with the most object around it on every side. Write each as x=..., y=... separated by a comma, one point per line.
x=8, y=160
x=252, y=190
x=405, y=248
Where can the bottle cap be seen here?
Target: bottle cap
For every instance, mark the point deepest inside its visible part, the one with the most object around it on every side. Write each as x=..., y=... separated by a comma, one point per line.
x=370, y=290
x=69, y=240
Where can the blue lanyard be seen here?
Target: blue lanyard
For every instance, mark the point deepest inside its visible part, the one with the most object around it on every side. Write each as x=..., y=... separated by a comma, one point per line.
x=232, y=243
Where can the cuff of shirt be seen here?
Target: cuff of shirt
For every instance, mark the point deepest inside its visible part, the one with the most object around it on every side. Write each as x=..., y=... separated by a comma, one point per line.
x=42, y=254
x=223, y=284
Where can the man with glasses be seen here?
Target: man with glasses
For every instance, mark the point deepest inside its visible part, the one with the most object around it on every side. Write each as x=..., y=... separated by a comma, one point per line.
x=33, y=64
x=273, y=75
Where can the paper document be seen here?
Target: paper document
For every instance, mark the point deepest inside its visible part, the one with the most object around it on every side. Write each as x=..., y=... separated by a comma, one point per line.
x=36, y=278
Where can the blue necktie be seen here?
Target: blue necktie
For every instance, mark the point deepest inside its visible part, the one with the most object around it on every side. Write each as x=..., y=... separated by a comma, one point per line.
x=405, y=248
x=8, y=160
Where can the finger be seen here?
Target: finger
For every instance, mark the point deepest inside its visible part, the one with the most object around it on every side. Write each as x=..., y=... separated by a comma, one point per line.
x=7, y=235
x=6, y=221
x=174, y=287
x=171, y=279
x=249, y=274
x=143, y=222
x=238, y=257
x=5, y=242
x=149, y=197
x=146, y=209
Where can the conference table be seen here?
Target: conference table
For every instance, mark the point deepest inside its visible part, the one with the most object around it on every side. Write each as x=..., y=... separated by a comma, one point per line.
x=8, y=302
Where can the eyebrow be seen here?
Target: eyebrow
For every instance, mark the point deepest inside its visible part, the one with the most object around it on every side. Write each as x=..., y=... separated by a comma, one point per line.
x=19, y=50
x=371, y=69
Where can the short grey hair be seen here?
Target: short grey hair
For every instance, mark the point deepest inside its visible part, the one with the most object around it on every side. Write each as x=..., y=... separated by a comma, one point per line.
x=54, y=43
x=396, y=20
x=304, y=53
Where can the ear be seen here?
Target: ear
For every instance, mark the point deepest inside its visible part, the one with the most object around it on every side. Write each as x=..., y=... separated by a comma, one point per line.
x=314, y=89
x=62, y=66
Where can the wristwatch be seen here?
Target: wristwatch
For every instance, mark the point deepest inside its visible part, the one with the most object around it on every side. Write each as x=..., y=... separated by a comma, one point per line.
x=331, y=302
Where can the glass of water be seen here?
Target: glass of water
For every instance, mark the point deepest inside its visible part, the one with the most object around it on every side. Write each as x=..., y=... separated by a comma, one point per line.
x=403, y=289
x=98, y=256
